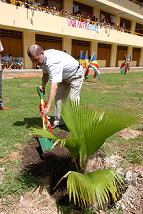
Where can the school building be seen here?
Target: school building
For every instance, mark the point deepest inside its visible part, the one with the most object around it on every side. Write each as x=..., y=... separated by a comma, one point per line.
x=112, y=29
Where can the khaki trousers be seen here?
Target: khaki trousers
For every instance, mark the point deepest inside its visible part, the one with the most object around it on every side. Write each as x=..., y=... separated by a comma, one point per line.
x=69, y=88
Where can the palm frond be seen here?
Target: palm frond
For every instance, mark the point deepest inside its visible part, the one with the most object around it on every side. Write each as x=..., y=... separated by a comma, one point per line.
x=105, y=182
x=90, y=128
x=43, y=133
x=94, y=187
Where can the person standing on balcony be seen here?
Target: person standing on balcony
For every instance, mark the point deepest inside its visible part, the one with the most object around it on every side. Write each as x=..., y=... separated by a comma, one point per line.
x=1, y=100
x=65, y=76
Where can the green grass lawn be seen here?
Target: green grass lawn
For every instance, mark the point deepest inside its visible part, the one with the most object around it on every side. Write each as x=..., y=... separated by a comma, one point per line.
x=112, y=91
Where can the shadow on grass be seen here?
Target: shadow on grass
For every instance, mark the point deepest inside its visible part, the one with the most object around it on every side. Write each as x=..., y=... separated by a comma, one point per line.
x=55, y=164
x=29, y=122
x=29, y=181
x=37, y=121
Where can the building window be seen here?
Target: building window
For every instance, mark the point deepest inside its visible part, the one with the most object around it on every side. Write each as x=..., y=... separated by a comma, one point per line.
x=139, y=29
x=104, y=52
x=79, y=45
x=46, y=38
x=12, y=42
x=107, y=18
x=53, y=3
x=125, y=25
x=49, y=42
x=83, y=9
x=10, y=34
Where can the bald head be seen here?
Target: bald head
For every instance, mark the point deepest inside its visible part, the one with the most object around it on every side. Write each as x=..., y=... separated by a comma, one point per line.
x=34, y=50
x=36, y=54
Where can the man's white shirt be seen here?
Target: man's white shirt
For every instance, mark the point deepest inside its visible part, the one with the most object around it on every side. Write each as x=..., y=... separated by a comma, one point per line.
x=59, y=65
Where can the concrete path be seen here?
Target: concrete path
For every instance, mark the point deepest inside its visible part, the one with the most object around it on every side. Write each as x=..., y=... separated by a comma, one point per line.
x=28, y=73
x=23, y=73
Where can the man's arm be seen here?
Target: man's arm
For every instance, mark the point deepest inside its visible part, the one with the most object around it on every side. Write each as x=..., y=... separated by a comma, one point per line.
x=45, y=79
x=52, y=93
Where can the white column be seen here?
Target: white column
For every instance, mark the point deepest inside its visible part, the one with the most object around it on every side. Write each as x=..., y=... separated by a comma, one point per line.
x=68, y=5
x=141, y=58
x=67, y=45
x=130, y=49
x=28, y=40
x=117, y=20
x=133, y=27
x=93, y=48
x=113, y=55
x=96, y=12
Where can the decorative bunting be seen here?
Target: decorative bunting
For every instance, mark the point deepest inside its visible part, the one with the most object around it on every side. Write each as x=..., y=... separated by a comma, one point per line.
x=89, y=64
x=125, y=66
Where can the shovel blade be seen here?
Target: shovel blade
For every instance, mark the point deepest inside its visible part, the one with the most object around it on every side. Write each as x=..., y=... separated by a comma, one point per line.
x=45, y=143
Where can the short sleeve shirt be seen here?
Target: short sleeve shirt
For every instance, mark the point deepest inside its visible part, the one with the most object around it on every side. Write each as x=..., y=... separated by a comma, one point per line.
x=59, y=65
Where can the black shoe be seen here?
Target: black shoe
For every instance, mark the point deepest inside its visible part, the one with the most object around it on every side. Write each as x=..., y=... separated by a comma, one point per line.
x=58, y=126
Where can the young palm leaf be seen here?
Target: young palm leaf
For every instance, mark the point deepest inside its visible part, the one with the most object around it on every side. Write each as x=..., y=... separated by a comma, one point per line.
x=43, y=133
x=90, y=128
x=94, y=187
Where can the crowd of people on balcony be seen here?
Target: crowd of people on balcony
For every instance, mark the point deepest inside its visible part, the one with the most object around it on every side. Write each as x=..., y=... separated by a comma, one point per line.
x=103, y=21
x=9, y=62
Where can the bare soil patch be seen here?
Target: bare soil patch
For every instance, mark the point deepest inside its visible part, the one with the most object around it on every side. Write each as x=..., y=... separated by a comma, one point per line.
x=11, y=157
x=56, y=163
x=130, y=133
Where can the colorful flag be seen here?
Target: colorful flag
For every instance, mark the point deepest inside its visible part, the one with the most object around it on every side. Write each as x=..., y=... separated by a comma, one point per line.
x=86, y=60
x=94, y=64
x=86, y=73
x=81, y=58
x=125, y=66
x=130, y=57
x=122, y=68
x=86, y=65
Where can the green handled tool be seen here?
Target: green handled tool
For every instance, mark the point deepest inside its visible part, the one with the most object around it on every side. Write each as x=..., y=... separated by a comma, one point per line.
x=45, y=143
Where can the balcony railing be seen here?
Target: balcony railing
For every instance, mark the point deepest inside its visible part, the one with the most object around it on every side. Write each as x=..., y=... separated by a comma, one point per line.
x=66, y=14
x=137, y=2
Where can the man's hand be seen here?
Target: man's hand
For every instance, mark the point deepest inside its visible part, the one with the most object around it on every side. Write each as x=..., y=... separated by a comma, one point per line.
x=52, y=93
x=42, y=88
x=44, y=112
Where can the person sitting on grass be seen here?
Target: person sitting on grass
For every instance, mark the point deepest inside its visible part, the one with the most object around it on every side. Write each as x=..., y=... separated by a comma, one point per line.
x=10, y=62
x=18, y=63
